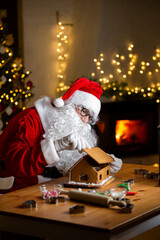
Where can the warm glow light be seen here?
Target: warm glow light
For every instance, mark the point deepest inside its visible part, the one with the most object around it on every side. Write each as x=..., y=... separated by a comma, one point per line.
x=131, y=132
x=93, y=74
x=156, y=165
x=62, y=55
x=127, y=70
x=110, y=76
x=119, y=70
x=122, y=57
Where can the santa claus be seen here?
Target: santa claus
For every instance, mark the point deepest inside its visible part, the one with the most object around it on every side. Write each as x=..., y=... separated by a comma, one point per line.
x=52, y=133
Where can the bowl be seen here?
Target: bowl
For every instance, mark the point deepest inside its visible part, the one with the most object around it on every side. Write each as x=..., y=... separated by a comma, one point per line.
x=118, y=193
x=50, y=192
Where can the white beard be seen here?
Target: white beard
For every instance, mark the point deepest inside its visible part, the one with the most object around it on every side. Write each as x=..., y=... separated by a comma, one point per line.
x=62, y=122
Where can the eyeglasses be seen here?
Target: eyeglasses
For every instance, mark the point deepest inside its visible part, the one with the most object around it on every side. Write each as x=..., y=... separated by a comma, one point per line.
x=84, y=112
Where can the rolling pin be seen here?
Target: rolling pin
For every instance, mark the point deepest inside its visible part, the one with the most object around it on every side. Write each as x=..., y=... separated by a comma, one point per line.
x=93, y=198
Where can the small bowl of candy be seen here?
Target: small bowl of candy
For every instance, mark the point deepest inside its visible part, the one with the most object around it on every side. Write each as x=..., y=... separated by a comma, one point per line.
x=50, y=192
x=118, y=193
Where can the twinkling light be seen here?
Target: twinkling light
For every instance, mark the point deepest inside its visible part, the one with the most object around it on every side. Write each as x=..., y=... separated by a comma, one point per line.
x=62, y=56
x=123, y=66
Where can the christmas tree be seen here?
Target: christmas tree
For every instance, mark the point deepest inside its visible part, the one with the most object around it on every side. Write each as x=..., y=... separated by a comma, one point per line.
x=15, y=88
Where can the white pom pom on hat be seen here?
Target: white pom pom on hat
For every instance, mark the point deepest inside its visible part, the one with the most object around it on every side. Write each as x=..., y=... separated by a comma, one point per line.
x=83, y=92
x=58, y=102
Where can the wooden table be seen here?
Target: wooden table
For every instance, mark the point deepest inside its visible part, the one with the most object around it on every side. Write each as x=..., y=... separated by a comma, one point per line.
x=54, y=221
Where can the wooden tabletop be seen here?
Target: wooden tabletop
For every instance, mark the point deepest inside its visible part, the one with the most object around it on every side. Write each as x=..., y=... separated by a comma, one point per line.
x=146, y=205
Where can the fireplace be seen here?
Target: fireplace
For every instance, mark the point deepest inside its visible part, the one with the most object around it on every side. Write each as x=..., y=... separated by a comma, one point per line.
x=131, y=132
x=128, y=128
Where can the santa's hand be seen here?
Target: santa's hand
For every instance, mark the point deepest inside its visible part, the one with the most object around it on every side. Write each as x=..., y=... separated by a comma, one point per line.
x=63, y=144
x=71, y=142
x=116, y=164
x=78, y=142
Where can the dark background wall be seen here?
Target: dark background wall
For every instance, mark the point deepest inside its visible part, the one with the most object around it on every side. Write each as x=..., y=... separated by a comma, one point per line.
x=12, y=18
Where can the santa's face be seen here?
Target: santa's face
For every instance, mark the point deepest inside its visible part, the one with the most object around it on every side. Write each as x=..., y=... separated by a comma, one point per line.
x=85, y=115
x=84, y=118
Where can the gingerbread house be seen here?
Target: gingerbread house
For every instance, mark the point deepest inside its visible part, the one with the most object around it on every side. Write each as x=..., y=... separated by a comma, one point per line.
x=92, y=168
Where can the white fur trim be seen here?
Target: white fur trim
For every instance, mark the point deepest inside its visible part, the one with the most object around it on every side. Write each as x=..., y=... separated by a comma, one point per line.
x=49, y=151
x=42, y=179
x=85, y=99
x=6, y=183
x=58, y=102
x=43, y=107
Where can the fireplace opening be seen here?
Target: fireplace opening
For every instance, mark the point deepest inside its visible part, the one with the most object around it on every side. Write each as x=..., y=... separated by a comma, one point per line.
x=128, y=128
x=131, y=132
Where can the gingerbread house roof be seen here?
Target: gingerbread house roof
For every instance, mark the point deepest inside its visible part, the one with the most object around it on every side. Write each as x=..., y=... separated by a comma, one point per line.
x=97, y=154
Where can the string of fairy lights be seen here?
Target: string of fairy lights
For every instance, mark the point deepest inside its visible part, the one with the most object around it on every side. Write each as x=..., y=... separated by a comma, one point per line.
x=123, y=70
x=10, y=76
x=13, y=90
x=62, y=56
x=13, y=94
x=10, y=54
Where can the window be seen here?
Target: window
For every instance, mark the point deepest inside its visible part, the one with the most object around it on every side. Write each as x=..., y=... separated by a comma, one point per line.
x=84, y=177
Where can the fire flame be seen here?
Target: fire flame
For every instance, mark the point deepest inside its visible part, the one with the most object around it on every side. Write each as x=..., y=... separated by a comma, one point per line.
x=131, y=132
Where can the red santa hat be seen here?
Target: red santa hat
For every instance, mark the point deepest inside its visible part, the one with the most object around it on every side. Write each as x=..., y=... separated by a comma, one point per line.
x=83, y=92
